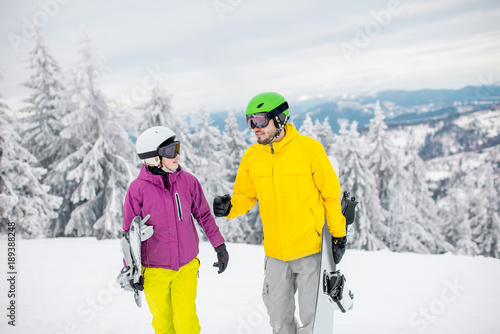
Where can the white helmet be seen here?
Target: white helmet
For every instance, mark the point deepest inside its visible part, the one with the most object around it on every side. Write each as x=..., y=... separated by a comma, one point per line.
x=148, y=142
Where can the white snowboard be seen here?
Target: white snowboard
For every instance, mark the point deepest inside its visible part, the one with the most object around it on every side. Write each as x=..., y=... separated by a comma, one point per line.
x=323, y=319
x=325, y=306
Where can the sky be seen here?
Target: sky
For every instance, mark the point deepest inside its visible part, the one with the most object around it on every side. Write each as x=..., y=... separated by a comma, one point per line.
x=218, y=54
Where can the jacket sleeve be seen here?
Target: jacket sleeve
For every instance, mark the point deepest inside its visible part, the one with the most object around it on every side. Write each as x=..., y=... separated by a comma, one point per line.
x=201, y=212
x=244, y=193
x=132, y=206
x=329, y=187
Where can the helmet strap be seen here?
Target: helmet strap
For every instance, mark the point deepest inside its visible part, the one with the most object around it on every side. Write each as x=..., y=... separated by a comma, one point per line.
x=281, y=128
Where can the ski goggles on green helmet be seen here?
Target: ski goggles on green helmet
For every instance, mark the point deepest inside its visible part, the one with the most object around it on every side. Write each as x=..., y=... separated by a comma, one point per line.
x=259, y=120
x=170, y=151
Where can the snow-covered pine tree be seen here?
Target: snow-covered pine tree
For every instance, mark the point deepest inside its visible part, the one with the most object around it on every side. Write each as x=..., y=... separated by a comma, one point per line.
x=382, y=158
x=23, y=198
x=486, y=219
x=211, y=149
x=249, y=225
x=402, y=214
x=324, y=133
x=412, y=228
x=454, y=211
x=469, y=205
x=429, y=228
x=209, y=143
x=402, y=188
x=235, y=145
x=307, y=127
x=158, y=111
x=356, y=177
x=41, y=133
x=94, y=178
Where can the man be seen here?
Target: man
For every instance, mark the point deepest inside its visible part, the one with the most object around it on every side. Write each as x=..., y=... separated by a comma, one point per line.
x=296, y=187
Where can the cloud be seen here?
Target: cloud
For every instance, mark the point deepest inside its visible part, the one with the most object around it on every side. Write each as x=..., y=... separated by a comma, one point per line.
x=290, y=46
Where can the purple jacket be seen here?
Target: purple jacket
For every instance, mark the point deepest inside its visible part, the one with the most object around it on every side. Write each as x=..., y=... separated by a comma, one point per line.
x=175, y=240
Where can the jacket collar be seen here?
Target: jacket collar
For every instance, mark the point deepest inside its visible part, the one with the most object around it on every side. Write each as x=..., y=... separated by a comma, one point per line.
x=146, y=175
x=290, y=134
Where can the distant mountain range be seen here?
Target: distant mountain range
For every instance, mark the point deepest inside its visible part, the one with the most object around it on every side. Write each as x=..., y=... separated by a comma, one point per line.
x=400, y=106
x=453, y=145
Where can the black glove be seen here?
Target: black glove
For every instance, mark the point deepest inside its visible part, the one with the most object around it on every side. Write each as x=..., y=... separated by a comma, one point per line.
x=137, y=286
x=338, y=248
x=222, y=257
x=222, y=205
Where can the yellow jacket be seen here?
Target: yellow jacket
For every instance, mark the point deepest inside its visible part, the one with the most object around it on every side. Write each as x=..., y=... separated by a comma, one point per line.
x=296, y=187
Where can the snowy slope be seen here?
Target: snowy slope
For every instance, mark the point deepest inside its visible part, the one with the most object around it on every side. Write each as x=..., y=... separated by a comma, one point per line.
x=67, y=286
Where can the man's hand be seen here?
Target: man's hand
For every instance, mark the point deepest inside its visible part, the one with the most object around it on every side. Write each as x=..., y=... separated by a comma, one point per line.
x=222, y=257
x=338, y=248
x=222, y=205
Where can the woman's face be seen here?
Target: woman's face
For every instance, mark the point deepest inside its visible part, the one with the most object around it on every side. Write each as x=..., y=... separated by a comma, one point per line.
x=171, y=164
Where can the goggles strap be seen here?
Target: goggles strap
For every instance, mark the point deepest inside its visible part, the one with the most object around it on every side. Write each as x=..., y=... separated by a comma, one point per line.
x=147, y=155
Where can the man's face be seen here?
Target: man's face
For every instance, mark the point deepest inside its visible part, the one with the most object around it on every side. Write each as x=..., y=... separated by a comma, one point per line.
x=265, y=135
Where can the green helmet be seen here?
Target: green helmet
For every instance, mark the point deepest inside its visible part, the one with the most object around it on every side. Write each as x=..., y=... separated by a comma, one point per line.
x=266, y=102
x=273, y=103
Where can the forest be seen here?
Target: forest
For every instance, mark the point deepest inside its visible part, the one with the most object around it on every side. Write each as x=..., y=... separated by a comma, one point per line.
x=66, y=160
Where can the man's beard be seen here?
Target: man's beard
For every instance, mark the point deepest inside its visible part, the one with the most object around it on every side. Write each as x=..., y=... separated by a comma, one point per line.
x=268, y=140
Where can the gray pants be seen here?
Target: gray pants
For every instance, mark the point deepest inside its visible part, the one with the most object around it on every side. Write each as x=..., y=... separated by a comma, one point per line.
x=283, y=279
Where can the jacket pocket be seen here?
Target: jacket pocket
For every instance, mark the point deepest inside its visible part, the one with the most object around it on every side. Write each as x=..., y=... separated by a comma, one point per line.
x=318, y=214
x=262, y=179
x=297, y=183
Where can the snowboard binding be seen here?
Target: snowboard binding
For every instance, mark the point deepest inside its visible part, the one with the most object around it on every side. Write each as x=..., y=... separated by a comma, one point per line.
x=334, y=286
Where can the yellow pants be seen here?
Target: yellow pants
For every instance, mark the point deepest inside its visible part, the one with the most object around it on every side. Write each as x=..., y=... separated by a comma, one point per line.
x=171, y=297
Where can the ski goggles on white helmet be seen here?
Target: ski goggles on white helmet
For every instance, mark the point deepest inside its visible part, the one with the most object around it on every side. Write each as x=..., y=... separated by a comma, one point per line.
x=170, y=151
x=259, y=120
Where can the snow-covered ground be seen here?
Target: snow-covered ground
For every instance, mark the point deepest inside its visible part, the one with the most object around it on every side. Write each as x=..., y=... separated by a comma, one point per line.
x=68, y=286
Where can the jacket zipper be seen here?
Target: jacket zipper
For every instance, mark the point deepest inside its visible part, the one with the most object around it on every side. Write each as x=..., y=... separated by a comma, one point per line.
x=272, y=149
x=179, y=209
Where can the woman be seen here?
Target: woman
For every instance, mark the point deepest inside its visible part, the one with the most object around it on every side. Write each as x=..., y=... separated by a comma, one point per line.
x=171, y=197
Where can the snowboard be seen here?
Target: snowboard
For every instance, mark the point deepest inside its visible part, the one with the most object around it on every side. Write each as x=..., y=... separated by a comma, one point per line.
x=332, y=293
x=130, y=277
x=323, y=319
